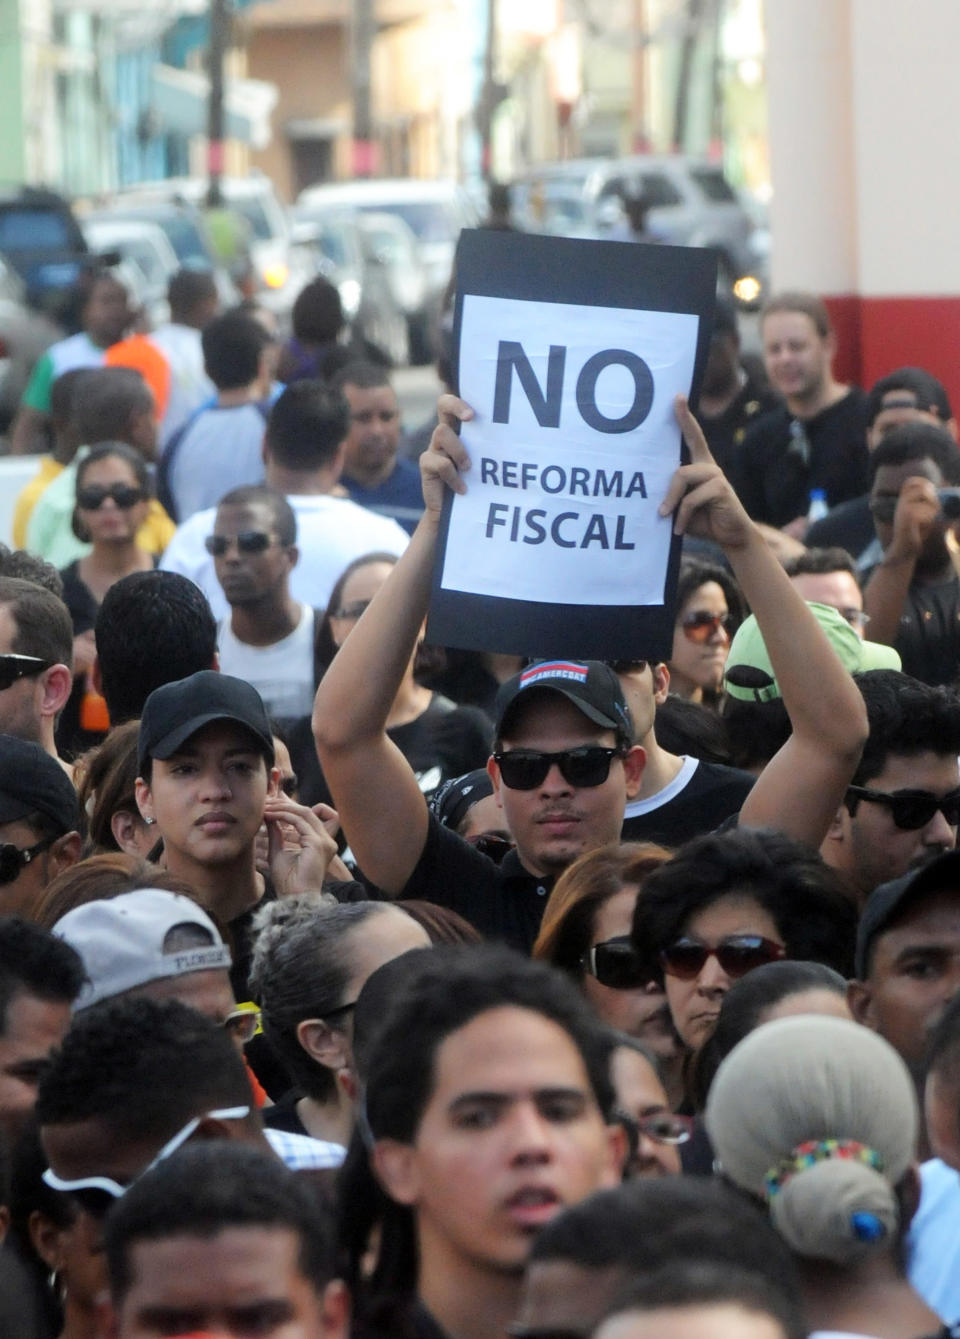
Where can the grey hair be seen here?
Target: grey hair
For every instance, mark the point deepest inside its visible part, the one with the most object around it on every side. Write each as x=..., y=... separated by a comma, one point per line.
x=814, y=1079
x=301, y=969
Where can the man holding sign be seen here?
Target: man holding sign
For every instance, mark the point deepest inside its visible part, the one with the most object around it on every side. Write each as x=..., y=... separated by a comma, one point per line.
x=566, y=791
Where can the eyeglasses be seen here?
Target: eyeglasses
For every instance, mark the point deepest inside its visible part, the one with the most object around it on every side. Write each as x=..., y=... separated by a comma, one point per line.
x=525, y=769
x=94, y=496
x=701, y=626
x=242, y=1024
x=14, y=667
x=248, y=541
x=663, y=1127
x=96, y=1194
x=912, y=809
x=615, y=963
x=15, y=858
x=352, y=611
x=857, y=618
x=736, y=955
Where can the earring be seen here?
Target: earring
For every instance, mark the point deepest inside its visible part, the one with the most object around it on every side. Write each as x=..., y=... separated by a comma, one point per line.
x=149, y=821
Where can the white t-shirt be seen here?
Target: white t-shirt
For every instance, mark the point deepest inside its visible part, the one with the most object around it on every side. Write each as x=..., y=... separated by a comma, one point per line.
x=221, y=449
x=331, y=532
x=190, y=387
x=933, y=1242
x=281, y=673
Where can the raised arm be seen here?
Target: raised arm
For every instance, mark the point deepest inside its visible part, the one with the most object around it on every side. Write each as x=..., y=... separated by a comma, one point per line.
x=801, y=788
x=916, y=516
x=381, y=807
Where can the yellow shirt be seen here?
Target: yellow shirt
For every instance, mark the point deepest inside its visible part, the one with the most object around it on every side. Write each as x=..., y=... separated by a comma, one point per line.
x=25, y=503
x=58, y=543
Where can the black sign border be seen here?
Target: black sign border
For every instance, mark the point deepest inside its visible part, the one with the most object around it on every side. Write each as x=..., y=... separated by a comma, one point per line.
x=530, y=268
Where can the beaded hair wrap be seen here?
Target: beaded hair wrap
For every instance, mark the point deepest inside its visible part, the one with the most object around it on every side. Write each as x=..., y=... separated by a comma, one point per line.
x=819, y=1150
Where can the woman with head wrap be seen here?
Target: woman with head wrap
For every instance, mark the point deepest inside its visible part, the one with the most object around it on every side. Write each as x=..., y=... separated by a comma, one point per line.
x=817, y=1117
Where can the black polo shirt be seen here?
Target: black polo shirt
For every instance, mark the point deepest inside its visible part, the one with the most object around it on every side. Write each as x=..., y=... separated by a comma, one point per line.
x=502, y=901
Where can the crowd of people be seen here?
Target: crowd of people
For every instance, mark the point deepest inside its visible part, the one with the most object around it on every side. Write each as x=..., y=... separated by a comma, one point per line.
x=351, y=985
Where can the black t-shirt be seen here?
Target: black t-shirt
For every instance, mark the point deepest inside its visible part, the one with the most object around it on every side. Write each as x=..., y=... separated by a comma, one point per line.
x=783, y=458
x=283, y=1114
x=726, y=432
x=849, y=526
x=503, y=901
x=929, y=636
x=698, y=800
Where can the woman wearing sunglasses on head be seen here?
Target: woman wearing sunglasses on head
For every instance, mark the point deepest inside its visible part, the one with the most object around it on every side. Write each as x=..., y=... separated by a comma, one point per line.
x=730, y=902
x=710, y=608
x=585, y=932
x=112, y=500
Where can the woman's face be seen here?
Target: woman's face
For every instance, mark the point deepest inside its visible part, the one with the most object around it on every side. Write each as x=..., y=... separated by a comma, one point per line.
x=110, y=502
x=358, y=590
x=695, y=1004
x=641, y=1095
x=700, y=642
x=642, y=1011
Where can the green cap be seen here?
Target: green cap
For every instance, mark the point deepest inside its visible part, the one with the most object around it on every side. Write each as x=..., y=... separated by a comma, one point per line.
x=749, y=674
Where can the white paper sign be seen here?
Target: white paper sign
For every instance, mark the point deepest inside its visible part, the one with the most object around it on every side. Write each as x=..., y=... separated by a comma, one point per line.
x=572, y=449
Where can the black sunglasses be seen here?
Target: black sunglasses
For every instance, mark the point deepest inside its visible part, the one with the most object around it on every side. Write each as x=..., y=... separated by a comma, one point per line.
x=615, y=963
x=912, y=809
x=248, y=541
x=15, y=858
x=525, y=769
x=14, y=667
x=93, y=496
x=736, y=955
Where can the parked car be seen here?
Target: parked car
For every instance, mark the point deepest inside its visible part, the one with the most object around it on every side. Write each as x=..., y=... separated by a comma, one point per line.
x=148, y=257
x=42, y=242
x=24, y=335
x=690, y=200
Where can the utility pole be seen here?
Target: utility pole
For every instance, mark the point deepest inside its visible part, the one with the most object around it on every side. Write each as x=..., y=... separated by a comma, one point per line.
x=363, y=31
x=219, y=39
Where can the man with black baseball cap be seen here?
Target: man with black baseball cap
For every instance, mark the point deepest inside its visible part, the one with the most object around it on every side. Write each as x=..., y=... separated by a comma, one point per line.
x=39, y=822
x=908, y=957
x=207, y=780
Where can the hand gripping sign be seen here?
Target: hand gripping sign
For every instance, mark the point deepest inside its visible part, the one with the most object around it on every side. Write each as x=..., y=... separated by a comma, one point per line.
x=571, y=354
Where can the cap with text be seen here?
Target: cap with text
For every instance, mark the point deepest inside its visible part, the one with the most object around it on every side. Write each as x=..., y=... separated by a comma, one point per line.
x=590, y=685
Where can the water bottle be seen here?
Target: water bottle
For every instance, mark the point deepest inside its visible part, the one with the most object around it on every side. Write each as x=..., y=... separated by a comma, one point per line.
x=818, y=506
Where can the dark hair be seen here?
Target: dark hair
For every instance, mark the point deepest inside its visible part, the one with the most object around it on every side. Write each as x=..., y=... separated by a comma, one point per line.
x=317, y=316
x=694, y=573
x=64, y=390
x=906, y=717
x=805, y=898
x=28, y=567
x=364, y=374
x=326, y=646
x=691, y=1282
x=107, y=776
x=744, y=1005
x=106, y=401
x=99, y=878
x=34, y=962
x=30, y=1194
x=232, y=347
x=108, y=451
x=186, y=291
x=44, y=627
x=756, y=730
x=818, y=562
x=207, y=1187
x=807, y=304
x=929, y=393
x=443, y=925
x=918, y=441
x=582, y=889
x=143, y=1067
x=307, y=424
x=283, y=516
x=689, y=728
x=152, y=628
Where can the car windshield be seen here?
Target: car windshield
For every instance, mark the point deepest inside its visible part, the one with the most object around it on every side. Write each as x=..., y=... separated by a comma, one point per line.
x=255, y=214
x=429, y=219
x=184, y=237
x=34, y=230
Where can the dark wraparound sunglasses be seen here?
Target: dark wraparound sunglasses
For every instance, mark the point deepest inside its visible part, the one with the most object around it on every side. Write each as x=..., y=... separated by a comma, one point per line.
x=912, y=809
x=525, y=769
x=14, y=667
x=701, y=626
x=93, y=496
x=614, y=963
x=248, y=541
x=14, y=858
x=736, y=955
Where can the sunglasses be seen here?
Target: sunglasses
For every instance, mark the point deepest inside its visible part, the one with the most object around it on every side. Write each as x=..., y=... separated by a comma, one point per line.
x=14, y=858
x=737, y=955
x=912, y=809
x=242, y=1024
x=14, y=667
x=248, y=541
x=525, y=769
x=93, y=496
x=701, y=626
x=615, y=963
x=97, y=1194
x=663, y=1127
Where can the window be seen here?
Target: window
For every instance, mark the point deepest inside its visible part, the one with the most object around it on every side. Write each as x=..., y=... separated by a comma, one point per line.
x=714, y=185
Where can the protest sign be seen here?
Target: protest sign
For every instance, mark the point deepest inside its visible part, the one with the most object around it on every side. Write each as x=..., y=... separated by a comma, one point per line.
x=570, y=353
